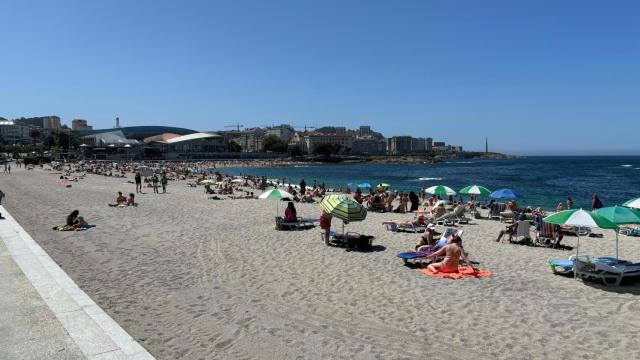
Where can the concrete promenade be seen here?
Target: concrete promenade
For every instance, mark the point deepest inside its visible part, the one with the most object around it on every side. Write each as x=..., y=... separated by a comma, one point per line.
x=44, y=314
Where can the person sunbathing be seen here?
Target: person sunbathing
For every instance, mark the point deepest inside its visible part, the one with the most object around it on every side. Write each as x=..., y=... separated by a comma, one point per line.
x=120, y=200
x=453, y=253
x=75, y=221
x=511, y=229
x=438, y=210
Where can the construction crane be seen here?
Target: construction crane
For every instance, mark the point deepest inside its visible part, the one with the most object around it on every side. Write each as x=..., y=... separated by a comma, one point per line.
x=237, y=126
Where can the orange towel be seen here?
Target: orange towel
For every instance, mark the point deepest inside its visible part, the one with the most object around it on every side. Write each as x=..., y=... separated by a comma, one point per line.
x=463, y=271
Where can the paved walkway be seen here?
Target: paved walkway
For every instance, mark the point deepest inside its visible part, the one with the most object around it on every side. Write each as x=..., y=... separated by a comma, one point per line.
x=44, y=314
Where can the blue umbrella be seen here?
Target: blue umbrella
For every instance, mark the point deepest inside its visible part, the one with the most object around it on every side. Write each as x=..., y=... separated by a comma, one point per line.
x=364, y=185
x=505, y=194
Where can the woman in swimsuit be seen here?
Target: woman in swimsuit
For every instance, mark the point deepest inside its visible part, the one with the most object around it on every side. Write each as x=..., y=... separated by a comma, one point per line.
x=453, y=252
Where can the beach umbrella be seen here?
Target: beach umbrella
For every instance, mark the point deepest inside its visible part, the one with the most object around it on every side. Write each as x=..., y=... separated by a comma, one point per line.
x=275, y=194
x=579, y=217
x=238, y=180
x=505, y=194
x=619, y=215
x=475, y=190
x=344, y=208
x=633, y=203
x=206, y=182
x=363, y=185
x=440, y=190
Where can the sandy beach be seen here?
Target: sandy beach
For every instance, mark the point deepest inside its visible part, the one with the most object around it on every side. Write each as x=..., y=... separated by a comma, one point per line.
x=194, y=278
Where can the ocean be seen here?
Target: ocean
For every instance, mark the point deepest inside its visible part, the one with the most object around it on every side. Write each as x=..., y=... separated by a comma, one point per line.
x=542, y=181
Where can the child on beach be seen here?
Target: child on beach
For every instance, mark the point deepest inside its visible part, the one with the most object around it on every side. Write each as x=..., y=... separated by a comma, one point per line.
x=325, y=224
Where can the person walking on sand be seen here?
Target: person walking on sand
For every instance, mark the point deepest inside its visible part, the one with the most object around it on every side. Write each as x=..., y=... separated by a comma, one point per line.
x=138, y=178
x=9, y=167
x=5, y=168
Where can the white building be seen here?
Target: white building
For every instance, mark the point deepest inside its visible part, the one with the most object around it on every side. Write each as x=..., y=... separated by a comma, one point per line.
x=13, y=133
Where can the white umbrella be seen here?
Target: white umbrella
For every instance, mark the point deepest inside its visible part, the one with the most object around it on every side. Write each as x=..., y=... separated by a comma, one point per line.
x=440, y=190
x=275, y=194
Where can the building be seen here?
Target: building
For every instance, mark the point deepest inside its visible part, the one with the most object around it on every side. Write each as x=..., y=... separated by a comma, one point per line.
x=365, y=131
x=310, y=141
x=418, y=145
x=250, y=139
x=80, y=124
x=186, y=147
x=429, y=144
x=14, y=133
x=114, y=139
x=43, y=122
x=439, y=146
x=399, y=145
x=369, y=145
x=283, y=132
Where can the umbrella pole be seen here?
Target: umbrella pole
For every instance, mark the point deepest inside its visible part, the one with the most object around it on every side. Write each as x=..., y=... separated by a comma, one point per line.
x=616, y=244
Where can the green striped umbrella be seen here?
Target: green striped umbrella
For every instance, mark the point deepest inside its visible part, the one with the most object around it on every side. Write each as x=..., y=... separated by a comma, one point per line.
x=633, y=203
x=475, y=190
x=619, y=215
x=343, y=207
x=579, y=217
x=440, y=190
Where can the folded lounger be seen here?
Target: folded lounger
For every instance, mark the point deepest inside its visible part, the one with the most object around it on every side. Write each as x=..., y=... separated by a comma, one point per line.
x=565, y=266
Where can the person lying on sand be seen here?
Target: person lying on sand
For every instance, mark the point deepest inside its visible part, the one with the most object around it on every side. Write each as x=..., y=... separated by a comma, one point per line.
x=453, y=253
x=121, y=200
x=74, y=220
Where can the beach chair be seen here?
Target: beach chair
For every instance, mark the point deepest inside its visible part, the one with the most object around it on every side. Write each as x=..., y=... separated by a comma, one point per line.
x=459, y=216
x=301, y=224
x=565, y=266
x=409, y=226
x=611, y=273
x=496, y=209
x=523, y=230
x=507, y=216
x=547, y=235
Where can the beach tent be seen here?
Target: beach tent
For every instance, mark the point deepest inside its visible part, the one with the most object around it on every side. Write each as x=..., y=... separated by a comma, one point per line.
x=440, y=190
x=275, y=194
x=344, y=208
x=579, y=217
x=633, y=203
x=505, y=194
x=619, y=215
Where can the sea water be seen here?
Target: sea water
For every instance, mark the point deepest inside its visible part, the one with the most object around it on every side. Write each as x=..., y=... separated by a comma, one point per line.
x=542, y=181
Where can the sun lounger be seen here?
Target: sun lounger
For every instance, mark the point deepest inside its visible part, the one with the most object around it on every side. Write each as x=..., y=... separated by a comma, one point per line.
x=396, y=225
x=611, y=273
x=507, y=216
x=630, y=231
x=301, y=224
x=576, y=230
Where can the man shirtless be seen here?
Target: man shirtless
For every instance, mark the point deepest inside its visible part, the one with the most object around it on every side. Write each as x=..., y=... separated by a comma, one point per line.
x=120, y=200
x=453, y=252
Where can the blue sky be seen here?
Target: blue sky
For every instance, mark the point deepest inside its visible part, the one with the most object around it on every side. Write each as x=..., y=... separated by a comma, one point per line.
x=537, y=77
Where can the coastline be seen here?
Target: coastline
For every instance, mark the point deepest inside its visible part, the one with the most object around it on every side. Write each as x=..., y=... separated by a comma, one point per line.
x=188, y=276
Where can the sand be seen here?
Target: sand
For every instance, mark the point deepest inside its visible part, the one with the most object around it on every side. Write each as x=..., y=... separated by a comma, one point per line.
x=193, y=278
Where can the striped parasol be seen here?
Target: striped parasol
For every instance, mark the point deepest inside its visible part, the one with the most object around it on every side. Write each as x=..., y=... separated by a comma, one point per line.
x=440, y=190
x=579, y=217
x=343, y=207
x=633, y=203
x=475, y=190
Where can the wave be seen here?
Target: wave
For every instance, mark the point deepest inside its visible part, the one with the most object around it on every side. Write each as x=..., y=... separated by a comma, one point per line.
x=429, y=178
x=626, y=165
x=459, y=162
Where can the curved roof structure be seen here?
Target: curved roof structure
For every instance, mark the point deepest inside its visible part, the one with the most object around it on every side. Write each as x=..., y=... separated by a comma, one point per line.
x=132, y=131
x=189, y=137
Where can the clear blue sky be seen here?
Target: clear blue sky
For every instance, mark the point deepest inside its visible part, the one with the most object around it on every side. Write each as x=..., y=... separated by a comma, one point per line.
x=537, y=77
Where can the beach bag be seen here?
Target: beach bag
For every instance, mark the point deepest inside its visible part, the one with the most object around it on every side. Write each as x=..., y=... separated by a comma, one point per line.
x=361, y=242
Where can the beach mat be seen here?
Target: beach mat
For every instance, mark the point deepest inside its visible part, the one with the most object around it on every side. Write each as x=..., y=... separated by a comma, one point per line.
x=463, y=272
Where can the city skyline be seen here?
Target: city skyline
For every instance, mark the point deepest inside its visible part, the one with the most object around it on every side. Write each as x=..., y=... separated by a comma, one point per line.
x=535, y=78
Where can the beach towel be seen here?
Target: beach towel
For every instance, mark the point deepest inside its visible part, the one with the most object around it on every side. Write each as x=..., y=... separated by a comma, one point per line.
x=463, y=272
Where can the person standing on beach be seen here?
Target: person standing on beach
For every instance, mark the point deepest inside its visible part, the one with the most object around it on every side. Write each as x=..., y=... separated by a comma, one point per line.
x=303, y=187
x=163, y=182
x=138, y=178
x=5, y=167
x=596, y=203
x=1, y=196
x=9, y=167
x=325, y=225
x=154, y=183
x=569, y=203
